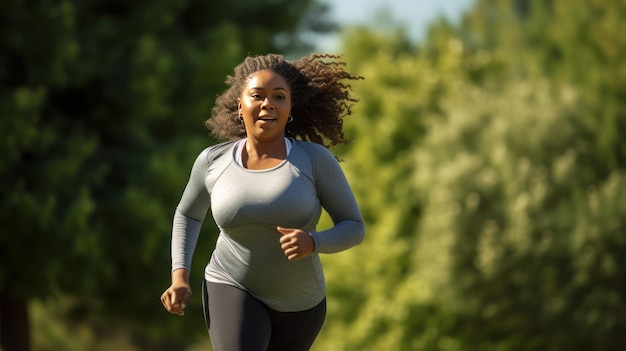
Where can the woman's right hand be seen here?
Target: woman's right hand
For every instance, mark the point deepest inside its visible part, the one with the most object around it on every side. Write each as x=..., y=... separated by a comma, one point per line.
x=175, y=298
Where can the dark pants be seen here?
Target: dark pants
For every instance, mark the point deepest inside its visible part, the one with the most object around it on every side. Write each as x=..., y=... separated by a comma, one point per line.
x=238, y=321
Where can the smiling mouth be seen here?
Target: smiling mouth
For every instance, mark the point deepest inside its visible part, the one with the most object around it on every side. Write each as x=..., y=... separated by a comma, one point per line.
x=267, y=119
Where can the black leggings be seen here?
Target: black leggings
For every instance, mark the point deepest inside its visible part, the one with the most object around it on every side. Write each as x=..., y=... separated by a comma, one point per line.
x=238, y=321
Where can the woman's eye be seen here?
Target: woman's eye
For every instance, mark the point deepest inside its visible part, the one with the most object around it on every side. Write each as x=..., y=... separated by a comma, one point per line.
x=256, y=96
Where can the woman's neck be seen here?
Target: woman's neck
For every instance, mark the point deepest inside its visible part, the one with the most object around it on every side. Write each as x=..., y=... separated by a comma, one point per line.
x=264, y=154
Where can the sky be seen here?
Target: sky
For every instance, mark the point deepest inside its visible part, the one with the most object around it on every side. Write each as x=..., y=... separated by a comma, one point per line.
x=414, y=15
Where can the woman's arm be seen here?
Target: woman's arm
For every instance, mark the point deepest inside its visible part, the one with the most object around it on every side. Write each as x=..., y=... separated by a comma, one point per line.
x=339, y=202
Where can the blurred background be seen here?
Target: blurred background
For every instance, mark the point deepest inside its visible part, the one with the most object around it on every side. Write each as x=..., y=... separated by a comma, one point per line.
x=489, y=160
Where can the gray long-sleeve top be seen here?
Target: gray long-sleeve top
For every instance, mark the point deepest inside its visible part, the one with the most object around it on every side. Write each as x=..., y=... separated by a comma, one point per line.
x=248, y=205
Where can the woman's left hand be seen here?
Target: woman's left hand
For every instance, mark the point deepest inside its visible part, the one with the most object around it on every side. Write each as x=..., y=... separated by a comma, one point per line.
x=296, y=243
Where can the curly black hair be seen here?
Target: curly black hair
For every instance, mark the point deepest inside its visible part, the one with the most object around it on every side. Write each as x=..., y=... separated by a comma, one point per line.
x=320, y=100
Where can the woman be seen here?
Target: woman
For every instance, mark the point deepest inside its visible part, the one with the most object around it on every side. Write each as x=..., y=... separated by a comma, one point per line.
x=266, y=186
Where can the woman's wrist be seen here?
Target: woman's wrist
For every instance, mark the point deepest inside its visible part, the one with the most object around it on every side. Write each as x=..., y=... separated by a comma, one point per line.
x=313, y=240
x=180, y=275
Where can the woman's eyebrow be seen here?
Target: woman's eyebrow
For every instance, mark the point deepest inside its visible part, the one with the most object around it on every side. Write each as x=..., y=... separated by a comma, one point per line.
x=262, y=88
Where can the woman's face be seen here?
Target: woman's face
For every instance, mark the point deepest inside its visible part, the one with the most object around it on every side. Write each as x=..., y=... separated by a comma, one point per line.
x=265, y=104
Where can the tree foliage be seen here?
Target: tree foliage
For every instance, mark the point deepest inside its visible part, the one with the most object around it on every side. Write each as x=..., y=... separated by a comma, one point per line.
x=490, y=169
x=102, y=106
x=488, y=162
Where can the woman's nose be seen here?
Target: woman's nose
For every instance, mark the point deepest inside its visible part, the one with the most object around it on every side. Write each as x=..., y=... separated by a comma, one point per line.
x=267, y=103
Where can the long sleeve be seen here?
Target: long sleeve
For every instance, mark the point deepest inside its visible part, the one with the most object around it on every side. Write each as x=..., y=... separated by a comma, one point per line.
x=339, y=202
x=190, y=214
x=185, y=232
x=196, y=200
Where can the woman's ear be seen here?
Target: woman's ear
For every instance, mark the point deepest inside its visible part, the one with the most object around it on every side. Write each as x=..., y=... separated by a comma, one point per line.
x=239, y=104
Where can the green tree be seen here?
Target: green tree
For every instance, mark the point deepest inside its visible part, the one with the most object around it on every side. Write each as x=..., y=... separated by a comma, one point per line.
x=370, y=287
x=490, y=170
x=102, y=104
